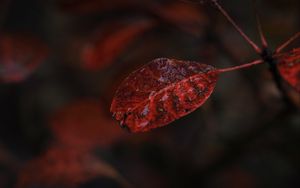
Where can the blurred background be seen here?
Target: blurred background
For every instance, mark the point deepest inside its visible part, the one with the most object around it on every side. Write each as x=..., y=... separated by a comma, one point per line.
x=62, y=60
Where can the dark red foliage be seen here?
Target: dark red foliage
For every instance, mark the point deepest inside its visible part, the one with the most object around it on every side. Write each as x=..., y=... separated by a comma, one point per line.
x=84, y=124
x=161, y=92
x=289, y=67
x=79, y=128
x=64, y=167
x=182, y=14
x=185, y=16
x=57, y=167
x=103, y=48
x=19, y=57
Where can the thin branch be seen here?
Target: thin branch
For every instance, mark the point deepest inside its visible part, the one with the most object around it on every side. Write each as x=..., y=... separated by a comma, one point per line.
x=288, y=42
x=242, y=33
x=247, y=65
x=259, y=26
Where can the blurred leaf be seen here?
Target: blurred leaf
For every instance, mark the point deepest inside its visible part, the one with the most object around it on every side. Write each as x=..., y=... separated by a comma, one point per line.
x=65, y=167
x=84, y=124
x=106, y=46
x=187, y=17
x=20, y=55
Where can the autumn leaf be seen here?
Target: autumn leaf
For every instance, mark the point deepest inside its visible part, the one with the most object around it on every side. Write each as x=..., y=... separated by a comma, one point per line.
x=78, y=128
x=85, y=125
x=289, y=67
x=20, y=55
x=104, y=47
x=187, y=17
x=65, y=167
x=161, y=92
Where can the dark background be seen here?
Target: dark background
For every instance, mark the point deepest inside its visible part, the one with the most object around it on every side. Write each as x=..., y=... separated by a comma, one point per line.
x=243, y=136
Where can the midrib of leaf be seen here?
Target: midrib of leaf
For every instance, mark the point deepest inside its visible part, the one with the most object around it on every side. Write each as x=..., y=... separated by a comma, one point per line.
x=168, y=87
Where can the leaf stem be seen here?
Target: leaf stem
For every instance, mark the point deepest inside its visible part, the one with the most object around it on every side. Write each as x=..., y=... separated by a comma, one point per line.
x=259, y=26
x=247, y=65
x=288, y=42
x=235, y=25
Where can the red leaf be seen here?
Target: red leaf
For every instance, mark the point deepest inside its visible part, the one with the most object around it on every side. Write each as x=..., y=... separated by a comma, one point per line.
x=106, y=46
x=289, y=67
x=19, y=57
x=186, y=16
x=65, y=167
x=84, y=124
x=161, y=92
x=57, y=167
